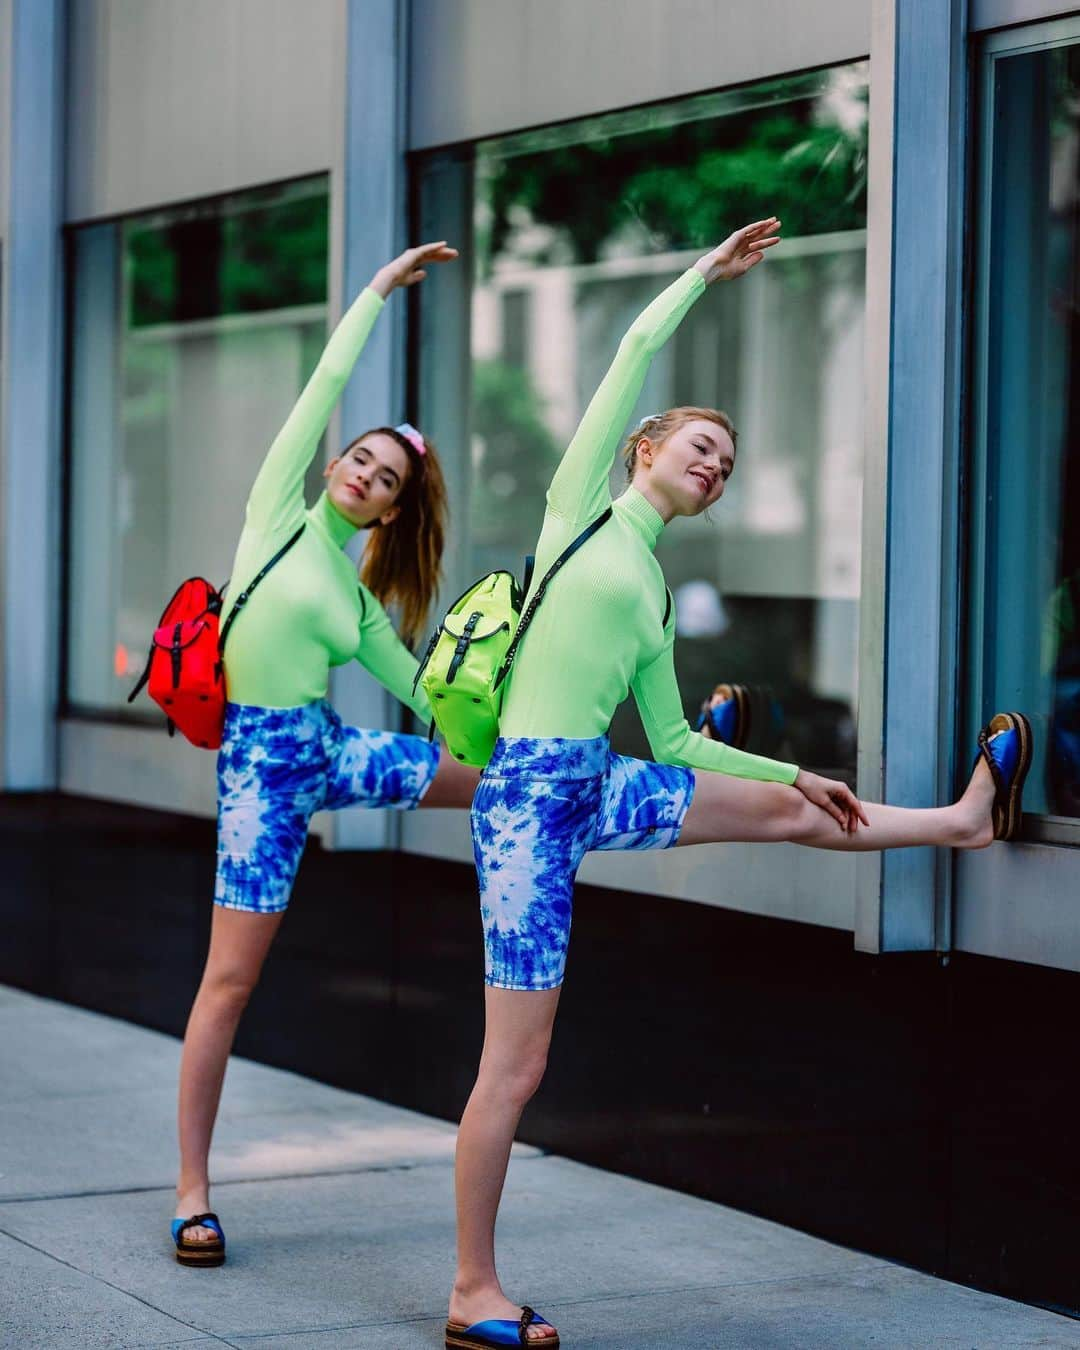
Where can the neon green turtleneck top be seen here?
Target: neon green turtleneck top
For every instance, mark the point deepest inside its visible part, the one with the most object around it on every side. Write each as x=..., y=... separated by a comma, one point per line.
x=600, y=632
x=310, y=612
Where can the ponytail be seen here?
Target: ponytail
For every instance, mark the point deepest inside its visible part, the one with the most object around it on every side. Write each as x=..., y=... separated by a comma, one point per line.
x=403, y=560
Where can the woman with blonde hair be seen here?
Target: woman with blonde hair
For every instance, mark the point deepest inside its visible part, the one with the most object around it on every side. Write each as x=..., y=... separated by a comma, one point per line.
x=553, y=789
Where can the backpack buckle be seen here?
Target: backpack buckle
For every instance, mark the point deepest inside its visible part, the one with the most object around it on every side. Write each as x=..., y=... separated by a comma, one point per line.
x=461, y=647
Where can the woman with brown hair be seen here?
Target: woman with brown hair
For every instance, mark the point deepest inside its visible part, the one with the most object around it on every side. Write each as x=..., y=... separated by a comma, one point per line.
x=300, y=609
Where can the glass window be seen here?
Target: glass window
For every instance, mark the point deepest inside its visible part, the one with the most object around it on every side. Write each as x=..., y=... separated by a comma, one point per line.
x=192, y=332
x=1026, y=557
x=571, y=230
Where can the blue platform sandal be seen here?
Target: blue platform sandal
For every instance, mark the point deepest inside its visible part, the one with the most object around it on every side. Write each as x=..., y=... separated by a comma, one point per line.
x=210, y=1252
x=496, y=1332
x=728, y=720
x=1005, y=745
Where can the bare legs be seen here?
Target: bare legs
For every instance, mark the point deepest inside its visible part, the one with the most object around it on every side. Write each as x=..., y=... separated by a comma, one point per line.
x=453, y=784
x=239, y=943
x=519, y=1023
x=516, y=1040
x=731, y=810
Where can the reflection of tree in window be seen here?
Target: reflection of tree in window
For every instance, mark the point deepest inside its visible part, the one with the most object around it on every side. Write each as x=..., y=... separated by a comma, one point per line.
x=683, y=185
x=260, y=251
x=517, y=456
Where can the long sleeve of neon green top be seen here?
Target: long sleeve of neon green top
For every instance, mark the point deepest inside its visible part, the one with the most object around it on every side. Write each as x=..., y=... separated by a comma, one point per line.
x=600, y=632
x=671, y=738
x=579, y=490
x=310, y=612
x=276, y=501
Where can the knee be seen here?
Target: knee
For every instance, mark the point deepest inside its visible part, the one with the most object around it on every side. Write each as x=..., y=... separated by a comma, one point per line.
x=515, y=1082
x=227, y=990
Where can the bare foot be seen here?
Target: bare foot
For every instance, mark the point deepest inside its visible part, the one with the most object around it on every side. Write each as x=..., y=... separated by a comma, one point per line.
x=195, y=1201
x=976, y=826
x=481, y=1305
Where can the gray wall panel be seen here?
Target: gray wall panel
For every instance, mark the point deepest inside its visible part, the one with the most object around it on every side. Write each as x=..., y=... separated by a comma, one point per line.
x=1019, y=901
x=1000, y=13
x=480, y=67
x=170, y=101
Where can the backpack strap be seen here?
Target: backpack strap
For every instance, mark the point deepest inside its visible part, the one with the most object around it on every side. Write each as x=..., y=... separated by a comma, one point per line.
x=245, y=594
x=530, y=610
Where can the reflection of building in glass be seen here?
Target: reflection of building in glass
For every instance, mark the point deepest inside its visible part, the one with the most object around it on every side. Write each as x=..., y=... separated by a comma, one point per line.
x=195, y=330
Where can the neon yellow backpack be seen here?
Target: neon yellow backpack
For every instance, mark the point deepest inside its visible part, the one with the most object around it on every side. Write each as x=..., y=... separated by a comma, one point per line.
x=472, y=650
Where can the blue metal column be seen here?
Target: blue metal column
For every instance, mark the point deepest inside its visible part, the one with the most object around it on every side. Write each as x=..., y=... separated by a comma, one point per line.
x=903, y=897
x=32, y=491
x=369, y=204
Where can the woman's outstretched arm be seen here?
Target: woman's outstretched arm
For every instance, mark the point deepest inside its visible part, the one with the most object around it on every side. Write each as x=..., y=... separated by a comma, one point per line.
x=579, y=490
x=276, y=501
x=671, y=740
x=656, y=692
x=384, y=654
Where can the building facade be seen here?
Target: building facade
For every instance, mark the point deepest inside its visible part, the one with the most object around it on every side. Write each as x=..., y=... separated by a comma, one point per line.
x=875, y=1048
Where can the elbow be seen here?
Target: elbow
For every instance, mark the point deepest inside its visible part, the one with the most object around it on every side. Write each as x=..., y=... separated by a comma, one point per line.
x=638, y=340
x=332, y=369
x=667, y=745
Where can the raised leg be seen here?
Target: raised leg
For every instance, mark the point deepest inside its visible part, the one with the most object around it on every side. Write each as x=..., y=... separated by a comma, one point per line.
x=453, y=785
x=239, y=942
x=516, y=1039
x=732, y=810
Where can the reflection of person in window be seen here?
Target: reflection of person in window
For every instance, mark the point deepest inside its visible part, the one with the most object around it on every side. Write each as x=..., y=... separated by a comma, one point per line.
x=553, y=790
x=285, y=753
x=1061, y=659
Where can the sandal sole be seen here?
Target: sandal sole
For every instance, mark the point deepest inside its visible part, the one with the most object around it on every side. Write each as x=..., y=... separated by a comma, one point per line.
x=1010, y=813
x=187, y=1257
x=456, y=1339
x=742, y=722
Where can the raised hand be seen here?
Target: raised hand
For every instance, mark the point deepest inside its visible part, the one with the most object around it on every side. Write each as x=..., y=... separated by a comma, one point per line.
x=409, y=267
x=834, y=797
x=739, y=251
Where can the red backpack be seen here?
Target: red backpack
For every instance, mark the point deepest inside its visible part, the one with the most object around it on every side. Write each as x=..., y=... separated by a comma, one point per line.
x=184, y=669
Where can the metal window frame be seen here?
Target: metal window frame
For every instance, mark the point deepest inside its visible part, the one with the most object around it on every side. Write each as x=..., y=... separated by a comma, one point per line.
x=1063, y=32
x=909, y=620
x=31, y=319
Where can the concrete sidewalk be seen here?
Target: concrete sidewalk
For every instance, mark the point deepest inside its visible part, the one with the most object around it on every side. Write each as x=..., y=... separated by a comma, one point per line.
x=339, y=1211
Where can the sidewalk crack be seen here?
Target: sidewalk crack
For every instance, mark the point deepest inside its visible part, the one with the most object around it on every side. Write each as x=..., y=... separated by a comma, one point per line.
x=116, y=1288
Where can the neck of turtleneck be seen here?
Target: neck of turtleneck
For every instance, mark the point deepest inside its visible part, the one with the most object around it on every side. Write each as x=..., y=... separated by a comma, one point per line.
x=329, y=519
x=643, y=516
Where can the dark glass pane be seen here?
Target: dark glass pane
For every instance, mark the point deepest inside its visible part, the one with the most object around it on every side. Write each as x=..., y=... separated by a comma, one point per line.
x=1029, y=357
x=242, y=254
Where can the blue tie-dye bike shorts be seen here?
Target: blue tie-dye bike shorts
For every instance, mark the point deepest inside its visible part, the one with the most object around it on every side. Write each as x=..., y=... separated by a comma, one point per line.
x=542, y=804
x=276, y=767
